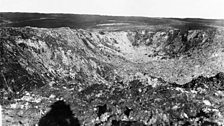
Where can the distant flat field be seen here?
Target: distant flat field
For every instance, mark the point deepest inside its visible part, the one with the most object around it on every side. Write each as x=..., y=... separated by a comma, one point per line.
x=101, y=22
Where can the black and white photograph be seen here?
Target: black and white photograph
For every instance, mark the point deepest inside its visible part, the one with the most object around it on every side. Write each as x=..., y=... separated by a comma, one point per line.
x=111, y=62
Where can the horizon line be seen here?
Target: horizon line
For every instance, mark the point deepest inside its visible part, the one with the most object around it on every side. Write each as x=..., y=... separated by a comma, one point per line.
x=108, y=15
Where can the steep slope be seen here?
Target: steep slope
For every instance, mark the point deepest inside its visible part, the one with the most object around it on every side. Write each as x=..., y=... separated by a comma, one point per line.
x=149, y=71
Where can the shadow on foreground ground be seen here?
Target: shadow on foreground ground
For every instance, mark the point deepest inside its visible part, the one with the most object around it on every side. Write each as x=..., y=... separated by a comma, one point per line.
x=59, y=115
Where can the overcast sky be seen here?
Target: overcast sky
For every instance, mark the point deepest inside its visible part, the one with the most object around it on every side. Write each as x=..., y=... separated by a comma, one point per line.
x=149, y=8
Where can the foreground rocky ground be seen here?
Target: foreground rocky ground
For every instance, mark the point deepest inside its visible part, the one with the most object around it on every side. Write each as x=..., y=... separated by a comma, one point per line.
x=129, y=77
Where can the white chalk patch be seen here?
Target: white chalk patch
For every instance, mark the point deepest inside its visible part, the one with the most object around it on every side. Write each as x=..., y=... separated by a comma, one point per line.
x=206, y=102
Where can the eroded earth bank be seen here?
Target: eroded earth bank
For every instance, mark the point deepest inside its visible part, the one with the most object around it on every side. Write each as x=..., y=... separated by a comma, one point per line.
x=120, y=77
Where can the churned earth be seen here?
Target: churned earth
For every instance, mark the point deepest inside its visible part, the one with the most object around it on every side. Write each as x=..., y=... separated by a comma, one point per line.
x=116, y=72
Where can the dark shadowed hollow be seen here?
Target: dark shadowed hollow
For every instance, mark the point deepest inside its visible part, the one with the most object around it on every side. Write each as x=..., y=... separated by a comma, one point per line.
x=59, y=115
